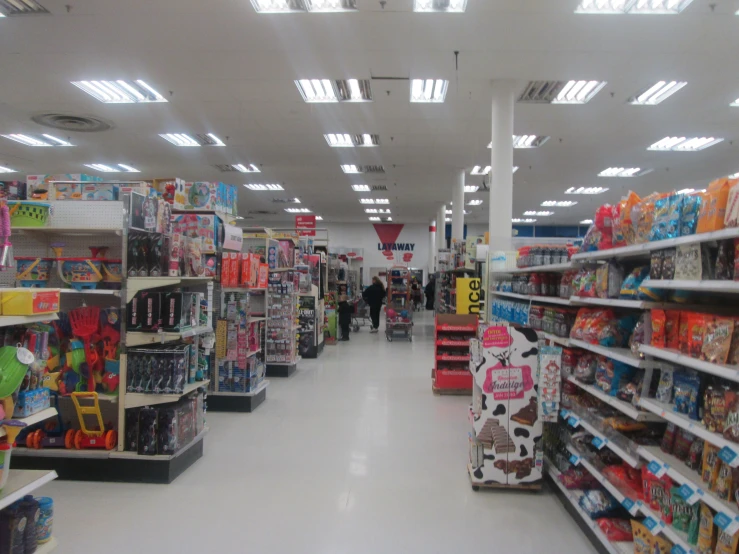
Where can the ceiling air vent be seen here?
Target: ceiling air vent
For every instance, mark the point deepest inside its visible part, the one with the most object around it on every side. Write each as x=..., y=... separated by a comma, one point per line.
x=541, y=92
x=560, y=92
x=76, y=123
x=22, y=7
x=372, y=169
x=379, y=188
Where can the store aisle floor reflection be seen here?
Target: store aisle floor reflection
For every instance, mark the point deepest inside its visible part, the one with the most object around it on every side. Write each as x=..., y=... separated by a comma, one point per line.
x=353, y=454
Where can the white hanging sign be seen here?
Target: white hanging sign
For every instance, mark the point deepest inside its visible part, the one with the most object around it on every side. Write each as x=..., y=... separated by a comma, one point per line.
x=233, y=237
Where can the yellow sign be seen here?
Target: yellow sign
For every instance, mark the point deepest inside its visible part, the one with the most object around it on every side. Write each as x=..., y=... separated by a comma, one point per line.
x=468, y=296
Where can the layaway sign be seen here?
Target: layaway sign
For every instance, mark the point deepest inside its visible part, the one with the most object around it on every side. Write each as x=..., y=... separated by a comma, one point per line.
x=388, y=234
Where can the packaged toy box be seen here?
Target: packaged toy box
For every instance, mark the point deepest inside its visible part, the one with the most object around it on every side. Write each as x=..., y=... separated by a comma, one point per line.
x=199, y=225
x=59, y=191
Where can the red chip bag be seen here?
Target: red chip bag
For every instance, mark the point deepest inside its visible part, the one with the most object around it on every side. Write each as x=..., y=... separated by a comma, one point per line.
x=672, y=329
x=615, y=530
x=659, y=320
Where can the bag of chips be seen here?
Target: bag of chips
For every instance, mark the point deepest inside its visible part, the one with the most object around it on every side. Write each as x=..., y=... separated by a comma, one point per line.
x=631, y=284
x=668, y=263
x=666, y=224
x=717, y=340
x=726, y=544
x=709, y=472
x=706, y=530
x=696, y=333
x=642, y=538
x=713, y=208
x=724, y=269
x=665, y=386
x=615, y=530
x=689, y=213
x=695, y=456
x=731, y=425
x=672, y=328
x=726, y=482
x=682, y=512
x=643, y=217
x=687, y=393
x=655, y=264
x=659, y=328
x=618, y=238
x=668, y=439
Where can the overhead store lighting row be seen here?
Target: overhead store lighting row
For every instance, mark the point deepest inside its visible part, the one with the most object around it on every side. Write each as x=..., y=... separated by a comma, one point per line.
x=258, y=186
x=586, y=190
x=345, y=140
x=38, y=140
x=117, y=168
x=377, y=210
x=683, y=144
x=519, y=220
x=624, y=172
x=333, y=6
x=359, y=90
x=558, y=203
x=374, y=201
x=479, y=170
x=636, y=7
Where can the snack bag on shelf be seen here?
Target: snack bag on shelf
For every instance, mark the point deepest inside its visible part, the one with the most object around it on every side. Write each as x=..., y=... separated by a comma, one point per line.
x=714, y=408
x=642, y=215
x=591, y=240
x=732, y=207
x=659, y=326
x=726, y=482
x=631, y=284
x=726, y=544
x=706, y=530
x=668, y=442
x=713, y=208
x=641, y=333
x=709, y=470
x=642, y=537
x=604, y=224
x=696, y=333
x=689, y=213
x=687, y=393
x=617, y=225
x=661, y=545
x=628, y=229
x=616, y=530
x=724, y=267
x=672, y=328
x=666, y=224
x=731, y=425
x=717, y=340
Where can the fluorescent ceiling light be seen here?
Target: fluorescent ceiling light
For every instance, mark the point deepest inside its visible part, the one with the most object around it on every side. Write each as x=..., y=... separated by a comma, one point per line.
x=382, y=201
x=120, y=91
x=448, y=219
x=624, y=172
x=327, y=90
x=366, y=200
x=428, y=90
x=526, y=141
x=578, y=92
x=448, y=212
x=388, y=219
x=446, y=6
x=361, y=188
x=350, y=169
x=264, y=187
x=345, y=140
x=479, y=170
x=6, y=170
x=251, y=168
x=319, y=218
x=586, y=222
x=114, y=168
x=559, y=203
x=383, y=211
x=374, y=218
x=474, y=202
x=735, y=103
x=734, y=176
x=183, y=139
x=519, y=220
x=657, y=93
x=646, y=7
x=21, y=7
x=683, y=144
x=296, y=6
x=586, y=190
x=297, y=210
x=541, y=214
x=370, y=210
x=471, y=188
x=38, y=140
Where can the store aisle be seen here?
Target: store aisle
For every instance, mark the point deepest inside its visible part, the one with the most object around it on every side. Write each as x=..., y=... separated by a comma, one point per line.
x=353, y=454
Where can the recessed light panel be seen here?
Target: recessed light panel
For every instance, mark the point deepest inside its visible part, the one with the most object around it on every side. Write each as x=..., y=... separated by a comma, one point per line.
x=345, y=140
x=297, y=6
x=624, y=172
x=526, y=141
x=113, y=168
x=257, y=186
x=120, y=91
x=366, y=200
x=361, y=188
x=429, y=90
x=471, y=188
x=519, y=220
x=6, y=170
x=370, y=210
x=683, y=144
x=183, y=139
x=327, y=90
x=586, y=222
x=541, y=214
x=297, y=210
x=38, y=140
x=445, y=6
x=474, y=202
x=586, y=190
x=21, y=7
x=374, y=218
x=558, y=203
x=560, y=92
x=646, y=7
x=352, y=169
x=319, y=218
x=657, y=93
x=382, y=201
x=479, y=170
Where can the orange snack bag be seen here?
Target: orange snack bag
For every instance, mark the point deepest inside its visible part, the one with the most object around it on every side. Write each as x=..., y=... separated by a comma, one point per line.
x=672, y=329
x=713, y=207
x=659, y=324
x=626, y=228
x=683, y=334
x=696, y=333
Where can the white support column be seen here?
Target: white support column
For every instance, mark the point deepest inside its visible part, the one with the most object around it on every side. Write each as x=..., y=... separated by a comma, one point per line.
x=458, y=209
x=440, y=231
x=500, y=204
x=432, y=248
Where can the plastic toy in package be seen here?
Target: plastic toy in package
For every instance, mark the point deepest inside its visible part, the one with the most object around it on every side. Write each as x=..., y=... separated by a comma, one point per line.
x=599, y=503
x=631, y=284
x=691, y=206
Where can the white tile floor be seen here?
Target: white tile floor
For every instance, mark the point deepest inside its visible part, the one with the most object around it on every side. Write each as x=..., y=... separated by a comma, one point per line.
x=353, y=454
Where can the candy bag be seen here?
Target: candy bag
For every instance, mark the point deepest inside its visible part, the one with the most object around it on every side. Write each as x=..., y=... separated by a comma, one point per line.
x=724, y=269
x=642, y=330
x=695, y=456
x=683, y=440
x=684, y=332
x=628, y=227
x=687, y=393
x=726, y=544
x=617, y=225
x=655, y=264
x=642, y=538
x=659, y=328
x=689, y=214
x=665, y=386
x=711, y=461
x=672, y=328
x=666, y=224
x=654, y=295
x=688, y=262
x=717, y=340
x=682, y=512
x=643, y=216
x=715, y=408
x=726, y=482
x=696, y=333
x=599, y=503
x=713, y=209
x=661, y=545
x=706, y=530
x=631, y=284
x=668, y=439
x=615, y=530
x=731, y=425
x=732, y=208
x=668, y=263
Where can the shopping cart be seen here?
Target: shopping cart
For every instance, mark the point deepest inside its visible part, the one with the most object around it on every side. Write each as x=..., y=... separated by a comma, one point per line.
x=361, y=314
x=398, y=322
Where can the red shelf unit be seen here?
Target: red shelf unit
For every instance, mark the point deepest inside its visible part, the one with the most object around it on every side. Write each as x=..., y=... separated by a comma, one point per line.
x=451, y=373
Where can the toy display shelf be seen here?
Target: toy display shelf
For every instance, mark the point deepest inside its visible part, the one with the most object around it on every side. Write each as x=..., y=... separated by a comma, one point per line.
x=137, y=284
x=728, y=287
x=22, y=482
x=623, y=355
x=455, y=379
x=572, y=497
x=634, y=506
x=447, y=358
x=238, y=401
x=38, y=417
x=620, y=405
x=9, y=320
x=96, y=292
x=562, y=341
x=551, y=268
x=98, y=216
x=47, y=547
x=730, y=373
x=137, y=400
x=614, y=302
x=683, y=475
x=137, y=339
x=112, y=466
x=575, y=421
x=532, y=298
x=644, y=249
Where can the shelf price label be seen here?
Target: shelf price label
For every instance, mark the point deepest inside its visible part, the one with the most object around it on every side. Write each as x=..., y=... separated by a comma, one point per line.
x=653, y=525
x=630, y=505
x=690, y=495
x=727, y=524
x=573, y=421
x=677, y=549
x=657, y=469
x=599, y=442
x=728, y=456
x=575, y=460
x=564, y=413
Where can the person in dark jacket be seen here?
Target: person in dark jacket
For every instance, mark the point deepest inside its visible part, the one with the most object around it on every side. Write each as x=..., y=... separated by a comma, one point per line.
x=430, y=291
x=345, y=316
x=373, y=295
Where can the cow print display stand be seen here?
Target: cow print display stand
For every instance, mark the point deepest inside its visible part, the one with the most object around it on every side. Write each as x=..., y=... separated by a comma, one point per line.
x=505, y=450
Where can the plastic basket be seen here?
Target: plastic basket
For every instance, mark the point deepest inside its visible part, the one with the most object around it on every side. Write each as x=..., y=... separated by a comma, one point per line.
x=28, y=214
x=12, y=371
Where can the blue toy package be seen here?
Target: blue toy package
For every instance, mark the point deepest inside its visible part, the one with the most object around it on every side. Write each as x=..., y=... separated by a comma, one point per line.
x=691, y=205
x=687, y=385
x=630, y=288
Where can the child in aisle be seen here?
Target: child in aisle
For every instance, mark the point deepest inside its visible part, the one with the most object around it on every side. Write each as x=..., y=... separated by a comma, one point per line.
x=345, y=316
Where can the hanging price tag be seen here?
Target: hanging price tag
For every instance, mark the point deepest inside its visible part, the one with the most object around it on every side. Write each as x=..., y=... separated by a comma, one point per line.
x=690, y=495
x=575, y=460
x=599, y=442
x=573, y=421
x=677, y=549
x=630, y=505
x=564, y=413
x=727, y=524
x=657, y=469
x=728, y=456
x=653, y=525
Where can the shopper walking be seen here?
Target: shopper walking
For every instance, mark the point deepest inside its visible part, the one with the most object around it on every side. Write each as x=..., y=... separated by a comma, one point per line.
x=345, y=316
x=430, y=292
x=374, y=295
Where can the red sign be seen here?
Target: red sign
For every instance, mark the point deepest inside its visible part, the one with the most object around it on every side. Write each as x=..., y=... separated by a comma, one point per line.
x=306, y=222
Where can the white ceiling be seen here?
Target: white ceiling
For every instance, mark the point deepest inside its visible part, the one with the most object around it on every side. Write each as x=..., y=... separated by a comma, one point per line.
x=231, y=71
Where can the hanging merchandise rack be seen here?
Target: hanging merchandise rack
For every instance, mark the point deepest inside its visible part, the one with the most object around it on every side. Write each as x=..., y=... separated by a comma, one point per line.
x=399, y=312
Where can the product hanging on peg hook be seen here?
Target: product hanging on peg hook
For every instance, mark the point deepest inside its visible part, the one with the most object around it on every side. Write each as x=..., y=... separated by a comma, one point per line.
x=6, y=254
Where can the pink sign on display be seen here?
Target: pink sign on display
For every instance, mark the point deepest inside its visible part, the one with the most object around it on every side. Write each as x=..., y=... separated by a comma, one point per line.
x=496, y=337
x=507, y=383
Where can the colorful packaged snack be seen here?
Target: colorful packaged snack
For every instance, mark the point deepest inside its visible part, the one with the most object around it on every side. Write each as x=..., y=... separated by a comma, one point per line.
x=682, y=512
x=688, y=262
x=726, y=544
x=731, y=426
x=665, y=503
x=666, y=224
x=736, y=259
x=639, y=336
x=696, y=332
x=694, y=525
x=715, y=408
x=643, y=216
x=689, y=215
x=684, y=333
x=717, y=340
x=672, y=329
x=687, y=393
x=706, y=530
x=585, y=368
x=646, y=293
x=711, y=460
x=713, y=208
x=659, y=328
x=655, y=264
x=724, y=268
x=631, y=284
x=683, y=441
x=599, y=503
x=726, y=482
x=732, y=208
x=618, y=238
x=668, y=263
x=695, y=456
x=665, y=386
x=733, y=358
x=616, y=530
x=661, y=545
x=642, y=538
x=588, y=285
